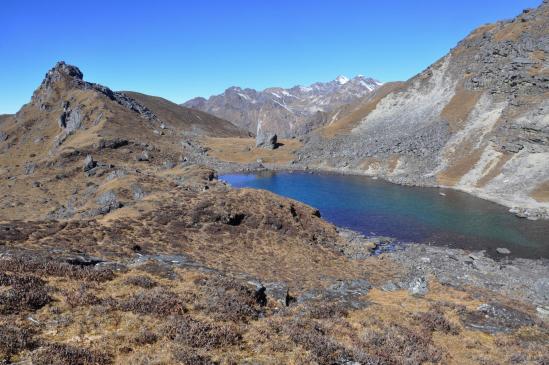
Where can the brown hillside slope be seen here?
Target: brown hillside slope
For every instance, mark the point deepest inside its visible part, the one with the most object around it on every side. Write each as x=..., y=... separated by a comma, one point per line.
x=191, y=120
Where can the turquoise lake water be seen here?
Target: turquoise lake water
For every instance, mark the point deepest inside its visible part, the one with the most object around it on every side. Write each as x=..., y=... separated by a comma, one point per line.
x=409, y=214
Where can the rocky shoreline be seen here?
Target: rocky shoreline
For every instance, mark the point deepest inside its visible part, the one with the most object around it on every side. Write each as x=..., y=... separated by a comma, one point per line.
x=521, y=279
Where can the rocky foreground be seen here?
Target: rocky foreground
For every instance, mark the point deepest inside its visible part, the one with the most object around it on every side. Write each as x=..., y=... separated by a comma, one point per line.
x=199, y=273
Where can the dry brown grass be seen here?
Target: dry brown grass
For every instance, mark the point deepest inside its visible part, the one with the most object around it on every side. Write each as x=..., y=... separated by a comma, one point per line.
x=462, y=161
x=130, y=320
x=243, y=150
x=459, y=107
x=188, y=119
x=541, y=192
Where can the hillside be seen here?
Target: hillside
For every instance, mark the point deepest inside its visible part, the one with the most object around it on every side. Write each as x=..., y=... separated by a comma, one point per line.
x=286, y=112
x=116, y=249
x=189, y=120
x=45, y=144
x=476, y=120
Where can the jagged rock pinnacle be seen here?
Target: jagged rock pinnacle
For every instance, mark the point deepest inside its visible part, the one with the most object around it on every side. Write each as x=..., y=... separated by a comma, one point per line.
x=60, y=70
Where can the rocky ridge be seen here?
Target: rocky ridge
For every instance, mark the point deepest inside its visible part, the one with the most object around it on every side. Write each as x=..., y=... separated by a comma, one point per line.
x=285, y=112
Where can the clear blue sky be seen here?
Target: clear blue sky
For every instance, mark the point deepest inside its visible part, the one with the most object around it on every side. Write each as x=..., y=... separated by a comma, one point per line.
x=182, y=49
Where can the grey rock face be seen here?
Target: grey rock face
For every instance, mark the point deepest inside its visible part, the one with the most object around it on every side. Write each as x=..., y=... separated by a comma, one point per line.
x=107, y=202
x=89, y=163
x=29, y=168
x=495, y=317
x=346, y=292
x=108, y=198
x=112, y=143
x=137, y=192
x=72, y=77
x=115, y=174
x=266, y=140
x=286, y=112
x=418, y=287
x=3, y=136
x=278, y=292
x=144, y=156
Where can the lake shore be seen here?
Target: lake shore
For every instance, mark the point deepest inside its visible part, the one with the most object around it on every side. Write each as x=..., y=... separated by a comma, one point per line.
x=519, y=208
x=519, y=278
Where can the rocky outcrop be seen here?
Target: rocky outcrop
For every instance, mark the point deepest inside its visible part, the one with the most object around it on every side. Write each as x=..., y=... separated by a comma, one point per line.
x=266, y=140
x=63, y=76
x=285, y=112
x=476, y=120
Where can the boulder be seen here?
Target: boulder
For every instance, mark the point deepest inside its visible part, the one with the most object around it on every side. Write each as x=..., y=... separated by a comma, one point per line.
x=29, y=168
x=137, y=192
x=266, y=140
x=279, y=293
x=418, y=287
x=503, y=251
x=89, y=163
x=107, y=202
x=144, y=156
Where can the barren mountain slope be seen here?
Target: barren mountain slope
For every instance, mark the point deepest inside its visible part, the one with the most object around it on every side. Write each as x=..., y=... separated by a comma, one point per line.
x=287, y=112
x=191, y=120
x=476, y=120
x=44, y=146
x=135, y=256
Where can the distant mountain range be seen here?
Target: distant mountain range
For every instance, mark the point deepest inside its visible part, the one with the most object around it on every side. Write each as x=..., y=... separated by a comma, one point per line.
x=287, y=112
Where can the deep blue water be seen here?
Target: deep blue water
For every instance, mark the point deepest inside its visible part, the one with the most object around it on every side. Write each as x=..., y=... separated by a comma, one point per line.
x=423, y=215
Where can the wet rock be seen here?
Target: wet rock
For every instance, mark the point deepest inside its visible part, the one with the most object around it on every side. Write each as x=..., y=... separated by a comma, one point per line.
x=418, y=286
x=266, y=140
x=89, y=163
x=503, y=251
x=531, y=213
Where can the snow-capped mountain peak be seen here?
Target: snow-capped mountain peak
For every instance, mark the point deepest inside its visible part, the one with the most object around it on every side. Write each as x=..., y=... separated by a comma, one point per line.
x=342, y=79
x=286, y=112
